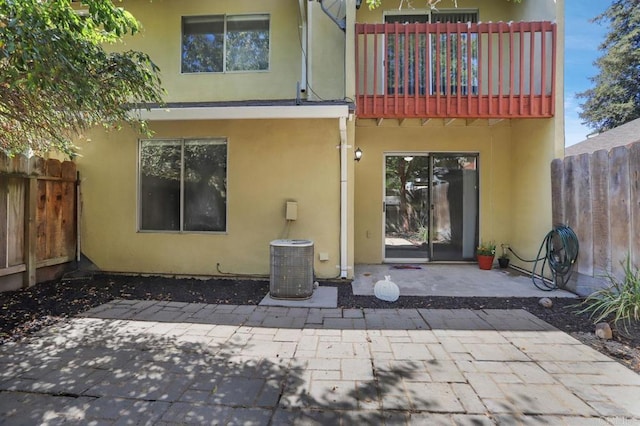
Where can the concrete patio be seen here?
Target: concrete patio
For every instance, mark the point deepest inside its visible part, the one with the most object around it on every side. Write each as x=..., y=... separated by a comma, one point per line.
x=147, y=362
x=461, y=280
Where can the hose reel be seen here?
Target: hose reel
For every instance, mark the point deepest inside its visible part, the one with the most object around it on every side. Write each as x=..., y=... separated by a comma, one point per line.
x=558, y=252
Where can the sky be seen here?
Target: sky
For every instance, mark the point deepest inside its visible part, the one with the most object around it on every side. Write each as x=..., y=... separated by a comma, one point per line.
x=582, y=39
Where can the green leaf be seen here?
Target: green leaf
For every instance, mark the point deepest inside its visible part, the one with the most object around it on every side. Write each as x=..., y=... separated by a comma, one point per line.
x=57, y=78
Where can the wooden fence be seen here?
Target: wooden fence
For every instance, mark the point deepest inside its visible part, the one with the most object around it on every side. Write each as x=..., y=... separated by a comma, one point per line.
x=598, y=196
x=37, y=217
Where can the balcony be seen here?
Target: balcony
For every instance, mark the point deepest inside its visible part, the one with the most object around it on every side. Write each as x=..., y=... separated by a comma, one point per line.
x=445, y=70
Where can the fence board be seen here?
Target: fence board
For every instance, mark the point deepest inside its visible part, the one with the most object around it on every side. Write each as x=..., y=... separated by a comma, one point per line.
x=557, y=188
x=53, y=168
x=4, y=162
x=12, y=270
x=41, y=220
x=37, y=166
x=570, y=189
x=19, y=165
x=68, y=170
x=570, y=212
x=68, y=244
x=619, y=206
x=56, y=212
x=600, y=209
x=584, y=220
x=54, y=219
x=15, y=221
x=602, y=188
x=42, y=233
x=30, y=277
x=3, y=221
x=634, y=177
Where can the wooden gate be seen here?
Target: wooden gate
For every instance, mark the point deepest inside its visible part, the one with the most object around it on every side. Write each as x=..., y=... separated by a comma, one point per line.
x=38, y=224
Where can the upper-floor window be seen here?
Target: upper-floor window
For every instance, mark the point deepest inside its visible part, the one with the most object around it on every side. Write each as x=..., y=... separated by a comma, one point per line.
x=442, y=73
x=221, y=43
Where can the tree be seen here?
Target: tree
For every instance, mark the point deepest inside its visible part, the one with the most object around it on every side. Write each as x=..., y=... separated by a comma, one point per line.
x=57, y=79
x=615, y=99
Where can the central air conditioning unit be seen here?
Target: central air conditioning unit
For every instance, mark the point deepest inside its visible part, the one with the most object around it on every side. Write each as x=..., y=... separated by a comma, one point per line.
x=291, y=269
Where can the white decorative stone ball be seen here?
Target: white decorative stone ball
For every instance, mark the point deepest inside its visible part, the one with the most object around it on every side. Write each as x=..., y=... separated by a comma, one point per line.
x=386, y=290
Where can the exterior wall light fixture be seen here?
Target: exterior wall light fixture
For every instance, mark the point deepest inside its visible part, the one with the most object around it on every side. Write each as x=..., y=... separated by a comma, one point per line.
x=358, y=154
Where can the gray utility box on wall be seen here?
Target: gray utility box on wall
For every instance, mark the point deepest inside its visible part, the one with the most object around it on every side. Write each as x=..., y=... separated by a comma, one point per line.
x=291, y=269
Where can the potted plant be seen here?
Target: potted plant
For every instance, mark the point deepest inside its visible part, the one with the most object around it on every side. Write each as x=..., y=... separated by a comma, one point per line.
x=503, y=260
x=485, y=254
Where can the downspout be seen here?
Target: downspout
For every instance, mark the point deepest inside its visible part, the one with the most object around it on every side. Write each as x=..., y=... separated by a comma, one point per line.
x=305, y=46
x=309, y=46
x=343, y=197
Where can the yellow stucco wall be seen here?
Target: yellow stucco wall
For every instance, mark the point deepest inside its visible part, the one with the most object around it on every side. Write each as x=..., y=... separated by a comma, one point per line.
x=536, y=143
x=161, y=38
x=538, y=10
x=492, y=143
x=326, y=56
x=269, y=162
x=514, y=155
x=559, y=123
x=530, y=206
x=515, y=187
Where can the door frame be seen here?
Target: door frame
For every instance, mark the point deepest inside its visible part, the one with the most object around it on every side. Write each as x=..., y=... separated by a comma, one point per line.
x=430, y=154
x=386, y=154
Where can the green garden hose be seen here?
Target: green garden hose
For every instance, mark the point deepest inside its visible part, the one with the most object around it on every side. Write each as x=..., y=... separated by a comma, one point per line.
x=560, y=247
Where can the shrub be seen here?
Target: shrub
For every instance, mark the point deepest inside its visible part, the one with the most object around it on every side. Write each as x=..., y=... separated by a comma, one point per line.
x=620, y=300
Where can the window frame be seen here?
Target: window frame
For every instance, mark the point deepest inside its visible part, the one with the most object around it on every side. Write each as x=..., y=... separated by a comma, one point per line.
x=182, y=141
x=224, y=44
x=430, y=83
x=429, y=13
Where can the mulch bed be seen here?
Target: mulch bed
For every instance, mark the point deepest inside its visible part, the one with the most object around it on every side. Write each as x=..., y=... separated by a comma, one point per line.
x=25, y=311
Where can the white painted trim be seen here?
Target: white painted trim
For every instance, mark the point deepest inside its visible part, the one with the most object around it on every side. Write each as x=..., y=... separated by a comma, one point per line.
x=343, y=198
x=245, y=112
x=305, y=43
x=405, y=12
x=309, y=47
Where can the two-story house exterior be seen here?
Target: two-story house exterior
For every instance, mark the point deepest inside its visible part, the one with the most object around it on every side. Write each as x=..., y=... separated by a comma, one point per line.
x=457, y=113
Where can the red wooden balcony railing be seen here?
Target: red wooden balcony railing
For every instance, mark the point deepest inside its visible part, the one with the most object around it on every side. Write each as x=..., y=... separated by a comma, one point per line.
x=446, y=70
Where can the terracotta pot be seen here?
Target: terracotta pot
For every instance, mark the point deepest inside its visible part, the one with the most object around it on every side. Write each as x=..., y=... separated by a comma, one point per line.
x=485, y=262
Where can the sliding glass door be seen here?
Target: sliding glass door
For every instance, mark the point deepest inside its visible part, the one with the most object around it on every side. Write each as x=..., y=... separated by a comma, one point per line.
x=406, y=207
x=430, y=207
x=455, y=206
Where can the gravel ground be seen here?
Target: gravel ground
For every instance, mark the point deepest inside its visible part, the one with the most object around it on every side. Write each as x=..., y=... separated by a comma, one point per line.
x=25, y=311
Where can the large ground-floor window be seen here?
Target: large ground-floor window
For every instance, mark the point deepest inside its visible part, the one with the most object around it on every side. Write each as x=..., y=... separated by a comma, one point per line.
x=183, y=185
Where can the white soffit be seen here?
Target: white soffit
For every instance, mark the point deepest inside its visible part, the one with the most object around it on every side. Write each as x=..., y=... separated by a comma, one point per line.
x=245, y=112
